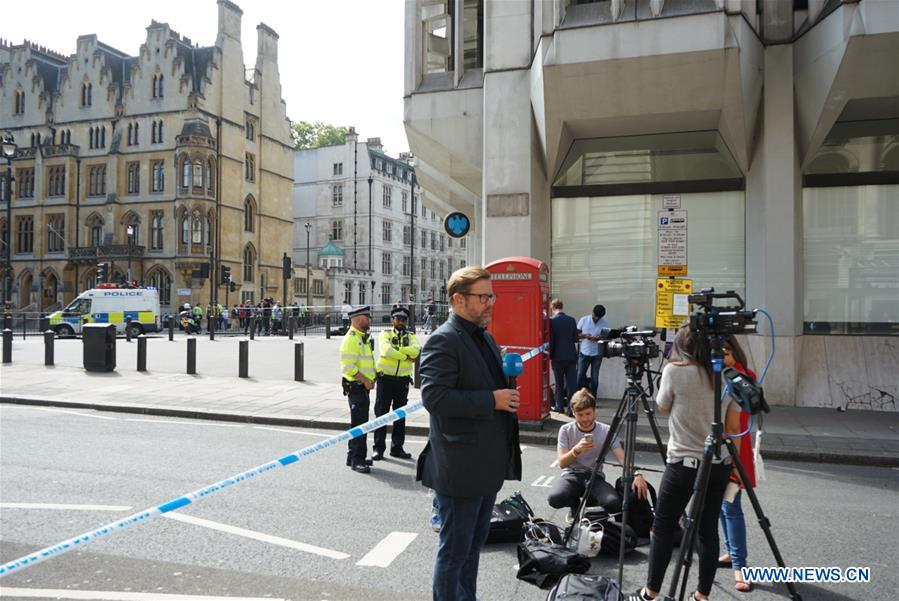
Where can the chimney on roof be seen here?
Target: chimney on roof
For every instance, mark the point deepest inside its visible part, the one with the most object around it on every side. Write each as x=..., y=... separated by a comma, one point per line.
x=374, y=144
x=229, y=19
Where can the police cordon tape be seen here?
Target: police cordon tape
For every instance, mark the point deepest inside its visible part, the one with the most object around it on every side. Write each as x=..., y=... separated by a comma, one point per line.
x=146, y=515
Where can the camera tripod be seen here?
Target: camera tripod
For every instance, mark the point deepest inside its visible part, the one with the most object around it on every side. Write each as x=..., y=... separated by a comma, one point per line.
x=712, y=451
x=626, y=414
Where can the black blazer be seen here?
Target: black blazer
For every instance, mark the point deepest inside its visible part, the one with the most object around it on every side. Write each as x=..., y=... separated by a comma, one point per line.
x=562, y=337
x=472, y=448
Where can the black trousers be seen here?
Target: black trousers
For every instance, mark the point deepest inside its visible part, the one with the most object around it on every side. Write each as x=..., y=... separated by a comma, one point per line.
x=568, y=489
x=359, y=401
x=392, y=393
x=674, y=494
x=565, y=375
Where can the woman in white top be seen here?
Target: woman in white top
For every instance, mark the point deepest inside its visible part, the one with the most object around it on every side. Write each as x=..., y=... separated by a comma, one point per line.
x=687, y=394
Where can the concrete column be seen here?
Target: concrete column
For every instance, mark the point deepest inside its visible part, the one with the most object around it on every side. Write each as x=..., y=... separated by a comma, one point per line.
x=774, y=278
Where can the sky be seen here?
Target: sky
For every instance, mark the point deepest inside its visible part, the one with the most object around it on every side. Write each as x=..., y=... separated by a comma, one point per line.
x=341, y=61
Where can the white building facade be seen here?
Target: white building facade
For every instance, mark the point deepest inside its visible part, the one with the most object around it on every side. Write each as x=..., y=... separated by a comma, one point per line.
x=370, y=227
x=563, y=127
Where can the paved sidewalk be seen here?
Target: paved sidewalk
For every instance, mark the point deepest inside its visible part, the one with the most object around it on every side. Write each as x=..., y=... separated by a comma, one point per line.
x=271, y=396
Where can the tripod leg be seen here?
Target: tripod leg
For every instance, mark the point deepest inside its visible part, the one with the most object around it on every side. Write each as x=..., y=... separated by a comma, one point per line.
x=764, y=522
x=650, y=415
x=627, y=475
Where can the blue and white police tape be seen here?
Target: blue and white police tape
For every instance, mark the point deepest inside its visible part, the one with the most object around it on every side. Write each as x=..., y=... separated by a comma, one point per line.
x=535, y=351
x=146, y=515
x=179, y=502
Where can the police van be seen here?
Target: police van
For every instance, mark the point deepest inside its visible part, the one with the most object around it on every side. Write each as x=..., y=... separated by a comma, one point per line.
x=110, y=304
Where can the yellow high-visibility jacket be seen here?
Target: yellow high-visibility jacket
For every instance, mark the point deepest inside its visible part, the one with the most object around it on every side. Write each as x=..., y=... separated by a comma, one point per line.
x=397, y=353
x=357, y=355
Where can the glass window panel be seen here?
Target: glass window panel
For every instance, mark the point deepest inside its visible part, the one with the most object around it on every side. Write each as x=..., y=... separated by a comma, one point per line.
x=851, y=259
x=604, y=250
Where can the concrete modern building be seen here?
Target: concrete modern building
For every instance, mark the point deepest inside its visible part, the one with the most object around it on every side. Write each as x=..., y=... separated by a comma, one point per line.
x=359, y=204
x=157, y=164
x=564, y=127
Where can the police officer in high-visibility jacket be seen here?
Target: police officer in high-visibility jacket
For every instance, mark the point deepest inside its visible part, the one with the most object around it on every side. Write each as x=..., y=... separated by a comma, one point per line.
x=357, y=364
x=397, y=350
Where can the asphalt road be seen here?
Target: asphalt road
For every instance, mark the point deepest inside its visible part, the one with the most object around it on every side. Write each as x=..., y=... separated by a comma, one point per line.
x=317, y=531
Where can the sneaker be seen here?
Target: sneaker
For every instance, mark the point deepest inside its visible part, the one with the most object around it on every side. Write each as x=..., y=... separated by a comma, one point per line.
x=436, y=524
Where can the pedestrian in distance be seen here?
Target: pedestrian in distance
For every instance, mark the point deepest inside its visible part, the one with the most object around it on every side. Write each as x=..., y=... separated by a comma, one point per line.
x=397, y=350
x=686, y=394
x=733, y=524
x=473, y=438
x=357, y=366
x=591, y=329
x=578, y=449
x=563, y=337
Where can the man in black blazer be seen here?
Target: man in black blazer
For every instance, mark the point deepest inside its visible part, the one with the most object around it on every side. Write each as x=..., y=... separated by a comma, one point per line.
x=473, y=441
x=563, y=354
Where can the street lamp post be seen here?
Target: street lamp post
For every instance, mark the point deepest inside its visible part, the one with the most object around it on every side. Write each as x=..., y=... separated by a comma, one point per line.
x=308, y=227
x=130, y=242
x=8, y=147
x=412, y=240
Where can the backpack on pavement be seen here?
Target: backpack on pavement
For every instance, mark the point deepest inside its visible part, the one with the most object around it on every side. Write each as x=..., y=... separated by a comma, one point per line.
x=508, y=519
x=585, y=587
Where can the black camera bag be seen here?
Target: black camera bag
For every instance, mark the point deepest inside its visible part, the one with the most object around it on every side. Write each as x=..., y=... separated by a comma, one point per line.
x=639, y=511
x=585, y=587
x=508, y=519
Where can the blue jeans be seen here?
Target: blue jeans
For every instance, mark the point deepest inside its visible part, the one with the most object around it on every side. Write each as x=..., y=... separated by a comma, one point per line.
x=466, y=522
x=734, y=527
x=594, y=363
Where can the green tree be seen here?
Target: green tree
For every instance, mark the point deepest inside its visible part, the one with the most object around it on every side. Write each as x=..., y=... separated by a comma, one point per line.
x=315, y=135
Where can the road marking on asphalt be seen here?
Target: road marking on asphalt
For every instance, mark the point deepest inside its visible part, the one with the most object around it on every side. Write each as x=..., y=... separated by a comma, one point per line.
x=49, y=593
x=541, y=482
x=183, y=422
x=554, y=463
x=65, y=506
x=390, y=547
x=48, y=409
x=265, y=538
x=301, y=432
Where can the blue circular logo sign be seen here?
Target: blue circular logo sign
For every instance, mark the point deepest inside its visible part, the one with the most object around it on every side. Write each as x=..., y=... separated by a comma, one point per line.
x=457, y=224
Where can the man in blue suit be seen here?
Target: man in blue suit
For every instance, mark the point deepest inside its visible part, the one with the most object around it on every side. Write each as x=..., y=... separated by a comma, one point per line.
x=473, y=440
x=563, y=338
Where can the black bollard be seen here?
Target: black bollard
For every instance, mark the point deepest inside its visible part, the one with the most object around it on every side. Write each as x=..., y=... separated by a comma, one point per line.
x=291, y=326
x=45, y=323
x=171, y=328
x=328, y=326
x=243, y=360
x=305, y=323
x=7, y=321
x=298, y=362
x=418, y=372
x=142, y=353
x=127, y=329
x=192, y=355
x=24, y=326
x=7, y=345
x=210, y=323
x=253, y=327
x=49, y=339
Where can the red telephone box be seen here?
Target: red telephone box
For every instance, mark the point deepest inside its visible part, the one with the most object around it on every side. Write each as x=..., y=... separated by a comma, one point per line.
x=521, y=322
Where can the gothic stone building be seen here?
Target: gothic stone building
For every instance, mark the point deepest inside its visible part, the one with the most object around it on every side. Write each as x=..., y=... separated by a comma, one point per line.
x=155, y=164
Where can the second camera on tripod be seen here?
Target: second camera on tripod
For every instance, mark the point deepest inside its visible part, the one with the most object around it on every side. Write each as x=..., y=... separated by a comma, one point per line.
x=631, y=344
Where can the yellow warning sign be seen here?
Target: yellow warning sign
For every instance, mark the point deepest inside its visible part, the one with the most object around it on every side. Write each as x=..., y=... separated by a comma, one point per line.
x=672, y=270
x=672, y=308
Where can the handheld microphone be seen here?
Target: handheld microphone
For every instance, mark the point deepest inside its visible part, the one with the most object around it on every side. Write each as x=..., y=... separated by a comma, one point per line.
x=512, y=368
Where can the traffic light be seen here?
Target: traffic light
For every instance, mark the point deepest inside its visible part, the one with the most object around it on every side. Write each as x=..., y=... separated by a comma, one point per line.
x=102, y=273
x=233, y=287
x=225, y=275
x=134, y=283
x=285, y=267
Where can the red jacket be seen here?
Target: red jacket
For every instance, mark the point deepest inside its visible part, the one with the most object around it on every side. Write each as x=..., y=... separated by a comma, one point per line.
x=744, y=444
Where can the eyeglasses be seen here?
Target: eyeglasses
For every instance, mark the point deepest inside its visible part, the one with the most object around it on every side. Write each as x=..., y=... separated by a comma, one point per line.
x=484, y=298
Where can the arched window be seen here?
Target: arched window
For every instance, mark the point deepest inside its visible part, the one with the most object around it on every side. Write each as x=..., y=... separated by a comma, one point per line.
x=136, y=133
x=161, y=90
x=185, y=229
x=131, y=220
x=103, y=137
x=210, y=176
x=210, y=227
x=196, y=226
x=153, y=133
x=160, y=279
x=185, y=173
x=90, y=137
x=249, y=260
x=159, y=134
x=130, y=134
x=95, y=229
x=249, y=214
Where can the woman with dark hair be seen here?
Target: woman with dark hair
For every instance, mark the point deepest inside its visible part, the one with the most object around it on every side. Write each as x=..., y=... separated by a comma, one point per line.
x=732, y=522
x=686, y=393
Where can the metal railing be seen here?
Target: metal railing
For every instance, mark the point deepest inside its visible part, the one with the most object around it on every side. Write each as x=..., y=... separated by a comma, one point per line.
x=112, y=251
